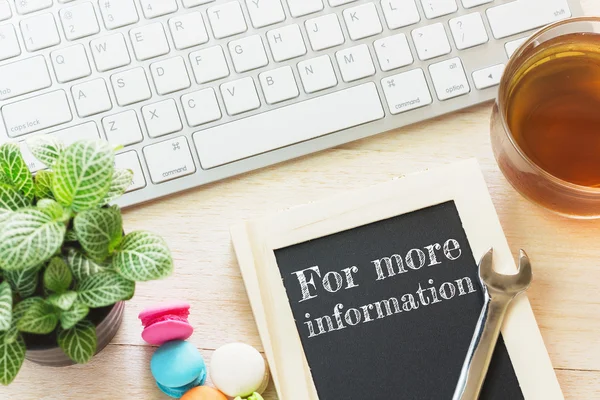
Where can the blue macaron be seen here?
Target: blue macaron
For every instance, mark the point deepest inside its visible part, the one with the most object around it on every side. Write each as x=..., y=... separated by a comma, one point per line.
x=177, y=367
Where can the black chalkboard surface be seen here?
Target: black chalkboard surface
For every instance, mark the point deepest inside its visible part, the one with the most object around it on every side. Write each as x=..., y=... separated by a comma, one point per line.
x=387, y=310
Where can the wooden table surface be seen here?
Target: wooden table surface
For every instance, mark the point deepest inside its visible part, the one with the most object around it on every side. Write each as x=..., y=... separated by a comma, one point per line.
x=566, y=254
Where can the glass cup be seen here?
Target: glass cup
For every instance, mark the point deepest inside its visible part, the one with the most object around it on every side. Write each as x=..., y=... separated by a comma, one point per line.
x=528, y=178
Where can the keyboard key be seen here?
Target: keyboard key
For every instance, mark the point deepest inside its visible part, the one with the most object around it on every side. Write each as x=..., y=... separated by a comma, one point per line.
x=122, y=129
x=406, y=91
x=169, y=160
x=317, y=74
x=431, y=41
x=248, y=53
x=170, y=75
x=324, y=32
x=302, y=121
x=400, y=13
x=209, y=64
x=32, y=163
x=513, y=45
x=227, y=19
x=91, y=97
x=149, y=41
x=521, y=16
x=79, y=21
x=162, y=118
x=70, y=63
x=449, y=79
x=468, y=31
x=299, y=8
x=130, y=86
x=474, y=3
x=188, y=30
x=194, y=3
x=362, y=21
x=39, y=32
x=9, y=44
x=36, y=113
x=335, y=3
x=201, y=107
x=110, y=52
x=488, y=77
x=23, y=76
x=118, y=13
x=240, y=96
x=437, y=8
x=355, y=63
x=265, y=12
x=286, y=43
x=393, y=52
x=68, y=136
x=156, y=8
x=29, y=6
x=279, y=85
x=130, y=160
x=5, y=12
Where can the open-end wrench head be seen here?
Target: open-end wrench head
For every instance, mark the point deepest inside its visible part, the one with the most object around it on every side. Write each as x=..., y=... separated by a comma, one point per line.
x=508, y=284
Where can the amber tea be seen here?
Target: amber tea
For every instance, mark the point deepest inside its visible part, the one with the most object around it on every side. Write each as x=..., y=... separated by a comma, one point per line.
x=553, y=108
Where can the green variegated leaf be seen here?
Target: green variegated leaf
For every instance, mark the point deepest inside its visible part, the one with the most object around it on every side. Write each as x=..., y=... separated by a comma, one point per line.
x=79, y=342
x=29, y=237
x=69, y=318
x=70, y=236
x=12, y=355
x=121, y=180
x=104, y=289
x=10, y=200
x=81, y=266
x=99, y=231
x=18, y=311
x=6, y=306
x=40, y=318
x=143, y=256
x=43, y=184
x=11, y=334
x=45, y=148
x=64, y=301
x=4, y=179
x=15, y=169
x=82, y=174
x=57, y=276
x=23, y=281
x=24, y=305
x=53, y=209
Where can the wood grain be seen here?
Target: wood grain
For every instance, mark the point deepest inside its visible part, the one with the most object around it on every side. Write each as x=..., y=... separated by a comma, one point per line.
x=566, y=256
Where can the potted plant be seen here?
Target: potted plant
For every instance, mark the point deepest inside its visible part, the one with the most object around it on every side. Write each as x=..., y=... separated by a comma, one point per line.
x=65, y=264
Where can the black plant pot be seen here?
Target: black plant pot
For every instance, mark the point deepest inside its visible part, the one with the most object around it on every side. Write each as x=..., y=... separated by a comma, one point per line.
x=44, y=350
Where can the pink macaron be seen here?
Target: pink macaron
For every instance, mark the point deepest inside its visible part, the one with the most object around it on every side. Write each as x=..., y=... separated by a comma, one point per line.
x=166, y=322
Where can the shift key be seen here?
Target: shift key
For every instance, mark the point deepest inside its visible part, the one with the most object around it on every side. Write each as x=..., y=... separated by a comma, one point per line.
x=170, y=159
x=36, y=113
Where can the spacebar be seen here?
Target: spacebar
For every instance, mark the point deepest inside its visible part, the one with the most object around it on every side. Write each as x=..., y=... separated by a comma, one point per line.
x=288, y=125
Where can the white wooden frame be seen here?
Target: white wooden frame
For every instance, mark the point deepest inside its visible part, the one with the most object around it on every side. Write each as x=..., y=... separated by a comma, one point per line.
x=255, y=242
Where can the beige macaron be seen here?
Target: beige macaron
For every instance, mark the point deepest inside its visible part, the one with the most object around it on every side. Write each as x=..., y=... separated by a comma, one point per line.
x=238, y=369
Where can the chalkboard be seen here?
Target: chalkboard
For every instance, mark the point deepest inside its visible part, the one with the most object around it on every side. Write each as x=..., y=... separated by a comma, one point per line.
x=374, y=294
x=387, y=310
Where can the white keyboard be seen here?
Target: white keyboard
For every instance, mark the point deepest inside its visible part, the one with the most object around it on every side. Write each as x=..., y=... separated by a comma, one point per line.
x=200, y=90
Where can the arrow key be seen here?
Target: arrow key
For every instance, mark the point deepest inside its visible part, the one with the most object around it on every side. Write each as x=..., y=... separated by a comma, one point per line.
x=488, y=77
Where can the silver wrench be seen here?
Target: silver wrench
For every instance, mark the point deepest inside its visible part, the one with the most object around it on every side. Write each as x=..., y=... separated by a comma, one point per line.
x=499, y=290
